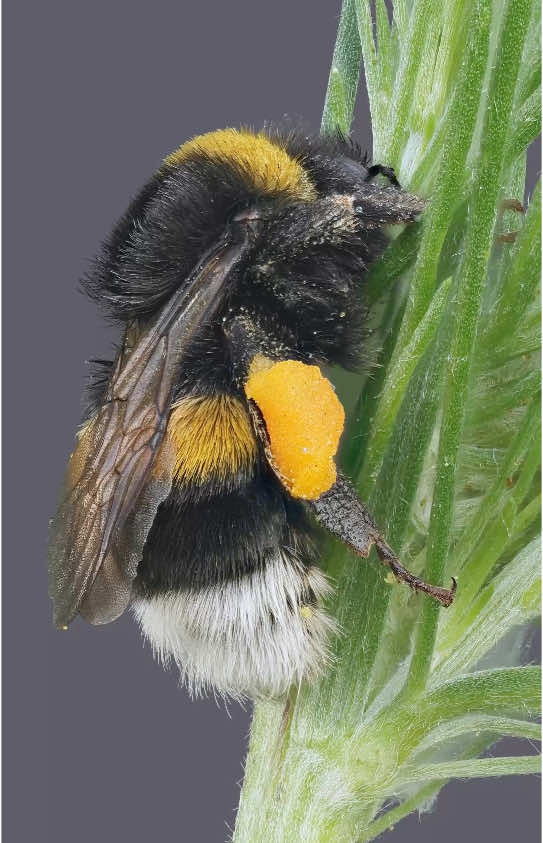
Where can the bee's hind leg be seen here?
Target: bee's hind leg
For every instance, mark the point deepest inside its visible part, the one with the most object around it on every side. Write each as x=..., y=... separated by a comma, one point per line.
x=340, y=512
x=445, y=596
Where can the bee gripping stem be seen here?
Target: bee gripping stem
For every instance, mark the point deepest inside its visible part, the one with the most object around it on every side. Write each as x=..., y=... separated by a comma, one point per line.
x=340, y=512
x=445, y=596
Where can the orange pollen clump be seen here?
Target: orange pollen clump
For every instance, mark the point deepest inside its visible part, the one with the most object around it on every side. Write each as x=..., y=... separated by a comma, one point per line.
x=304, y=420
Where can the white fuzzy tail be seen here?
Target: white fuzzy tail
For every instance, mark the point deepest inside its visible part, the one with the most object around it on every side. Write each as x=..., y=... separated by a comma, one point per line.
x=253, y=637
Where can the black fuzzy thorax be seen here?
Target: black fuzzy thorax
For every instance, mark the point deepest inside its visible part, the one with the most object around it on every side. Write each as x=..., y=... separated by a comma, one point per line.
x=184, y=209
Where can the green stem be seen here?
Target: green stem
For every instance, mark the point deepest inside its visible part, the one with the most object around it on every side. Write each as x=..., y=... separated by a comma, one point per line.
x=460, y=123
x=428, y=423
x=398, y=259
x=404, y=85
x=384, y=45
x=527, y=126
x=523, y=276
x=390, y=818
x=486, y=191
x=480, y=723
x=371, y=64
x=398, y=377
x=344, y=74
x=451, y=175
x=474, y=768
x=495, y=498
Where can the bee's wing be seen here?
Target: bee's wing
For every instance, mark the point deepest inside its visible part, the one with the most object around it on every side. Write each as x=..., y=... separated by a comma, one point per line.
x=121, y=469
x=90, y=543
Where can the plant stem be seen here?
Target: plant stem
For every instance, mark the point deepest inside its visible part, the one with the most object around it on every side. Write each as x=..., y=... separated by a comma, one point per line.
x=472, y=272
x=442, y=443
x=344, y=74
x=475, y=768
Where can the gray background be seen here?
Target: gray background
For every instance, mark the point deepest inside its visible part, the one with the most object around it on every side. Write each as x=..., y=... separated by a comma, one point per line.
x=99, y=742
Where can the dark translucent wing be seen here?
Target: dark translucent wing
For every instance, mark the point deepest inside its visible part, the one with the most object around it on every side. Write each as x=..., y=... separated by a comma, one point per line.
x=110, y=495
x=110, y=592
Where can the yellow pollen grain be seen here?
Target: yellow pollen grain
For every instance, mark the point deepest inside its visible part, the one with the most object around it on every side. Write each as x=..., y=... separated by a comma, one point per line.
x=304, y=420
x=265, y=165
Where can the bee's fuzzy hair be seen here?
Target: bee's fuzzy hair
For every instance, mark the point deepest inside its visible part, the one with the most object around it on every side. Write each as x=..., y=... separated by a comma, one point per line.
x=250, y=637
x=181, y=211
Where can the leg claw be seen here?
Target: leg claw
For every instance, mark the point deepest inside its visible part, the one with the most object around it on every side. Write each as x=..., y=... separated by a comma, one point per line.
x=445, y=596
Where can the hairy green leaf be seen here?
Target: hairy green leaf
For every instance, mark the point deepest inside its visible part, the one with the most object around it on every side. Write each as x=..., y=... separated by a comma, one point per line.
x=443, y=441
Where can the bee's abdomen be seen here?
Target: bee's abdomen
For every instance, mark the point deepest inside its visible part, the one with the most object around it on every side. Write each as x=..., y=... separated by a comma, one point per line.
x=199, y=538
x=213, y=441
x=226, y=510
x=226, y=588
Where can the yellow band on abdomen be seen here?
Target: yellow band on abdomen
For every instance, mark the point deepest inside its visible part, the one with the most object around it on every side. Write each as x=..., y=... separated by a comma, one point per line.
x=211, y=436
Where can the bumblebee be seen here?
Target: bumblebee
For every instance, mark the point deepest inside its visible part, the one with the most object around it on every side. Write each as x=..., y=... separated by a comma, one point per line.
x=207, y=453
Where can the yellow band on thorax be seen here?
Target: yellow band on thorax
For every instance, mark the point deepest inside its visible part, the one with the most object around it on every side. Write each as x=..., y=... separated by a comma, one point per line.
x=267, y=166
